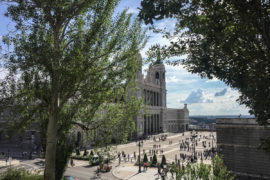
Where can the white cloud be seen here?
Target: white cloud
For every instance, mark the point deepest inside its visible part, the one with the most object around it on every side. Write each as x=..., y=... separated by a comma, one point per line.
x=133, y=11
x=221, y=93
x=177, y=79
x=212, y=80
x=196, y=97
x=220, y=105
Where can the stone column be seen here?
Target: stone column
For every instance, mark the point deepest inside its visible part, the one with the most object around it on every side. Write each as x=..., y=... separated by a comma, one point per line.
x=151, y=123
x=154, y=98
x=158, y=123
x=154, y=123
x=151, y=98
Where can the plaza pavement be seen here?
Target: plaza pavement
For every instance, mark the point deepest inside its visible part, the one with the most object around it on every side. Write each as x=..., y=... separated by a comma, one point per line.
x=127, y=170
x=130, y=172
x=4, y=164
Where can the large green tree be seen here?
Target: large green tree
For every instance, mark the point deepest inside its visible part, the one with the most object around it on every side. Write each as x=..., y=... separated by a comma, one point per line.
x=229, y=40
x=68, y=58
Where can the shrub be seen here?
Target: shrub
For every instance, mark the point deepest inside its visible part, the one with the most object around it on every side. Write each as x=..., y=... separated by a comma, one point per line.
x=85, y=153
x=145, y=159
x=78, y=153
x=19, y=174
x=86, y=158
x=91, y=153
x=220, y=170
x=154, y=161
x=163, y=161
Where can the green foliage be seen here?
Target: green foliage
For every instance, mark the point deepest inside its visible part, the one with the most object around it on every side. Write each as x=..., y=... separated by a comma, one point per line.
x=154, y=161
x=198, y=171
x=220, y=170
x=145, y=159
x=85, y=153
x=216, y=171
x=91, y=153
x=78, y=152
x=90, y=161
x=70, y=61
x=18, y=174
x=229, y=40
x=163, y=161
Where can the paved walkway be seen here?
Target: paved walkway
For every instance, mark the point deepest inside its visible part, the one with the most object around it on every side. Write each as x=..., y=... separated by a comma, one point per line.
x=4, y=164
x=130, y=172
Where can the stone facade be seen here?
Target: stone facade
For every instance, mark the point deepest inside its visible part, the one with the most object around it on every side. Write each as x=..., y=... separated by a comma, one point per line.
x=238, y=141
x=157, y=117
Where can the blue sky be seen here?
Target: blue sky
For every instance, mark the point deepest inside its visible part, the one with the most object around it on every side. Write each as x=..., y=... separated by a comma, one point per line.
x=203, y=96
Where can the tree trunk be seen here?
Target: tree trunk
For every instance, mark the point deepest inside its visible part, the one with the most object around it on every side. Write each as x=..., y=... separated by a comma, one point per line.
x=49, y=173
x=50, y=155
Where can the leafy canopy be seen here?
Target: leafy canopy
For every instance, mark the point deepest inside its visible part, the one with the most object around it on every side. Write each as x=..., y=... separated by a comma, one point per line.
x=229, y=40
x=68, y=60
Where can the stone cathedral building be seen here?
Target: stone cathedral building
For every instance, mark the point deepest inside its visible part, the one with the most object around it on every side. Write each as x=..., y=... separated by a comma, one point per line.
x=158, y=118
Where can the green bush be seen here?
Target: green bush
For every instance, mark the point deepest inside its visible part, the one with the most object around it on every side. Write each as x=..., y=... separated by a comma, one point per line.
x=19, y=174
x=145, y=159
x=220, y=170
x=91, y=153
x=78, y=153
x=86, y=158
x=163, y=161
x=91, y=162
x=85, y=153
x=154, y=161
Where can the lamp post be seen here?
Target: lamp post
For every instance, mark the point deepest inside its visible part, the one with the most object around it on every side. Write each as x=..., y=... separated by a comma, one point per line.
x=139, y=157
x=193, y=136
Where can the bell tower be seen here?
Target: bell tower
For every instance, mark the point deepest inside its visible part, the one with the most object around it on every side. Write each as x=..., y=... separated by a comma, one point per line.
x=156, y=75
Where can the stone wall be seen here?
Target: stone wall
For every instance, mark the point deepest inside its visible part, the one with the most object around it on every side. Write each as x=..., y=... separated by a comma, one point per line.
x=238, y=141
x=177, y=120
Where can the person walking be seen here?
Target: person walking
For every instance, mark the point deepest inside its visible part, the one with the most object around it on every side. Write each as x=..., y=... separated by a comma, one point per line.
x=172, y=171
x=159, y=170
x=72, y=163
x=144, y=167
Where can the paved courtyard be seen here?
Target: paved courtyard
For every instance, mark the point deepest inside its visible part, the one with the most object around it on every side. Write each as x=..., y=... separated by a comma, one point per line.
x=126, y=169
x=171, y=146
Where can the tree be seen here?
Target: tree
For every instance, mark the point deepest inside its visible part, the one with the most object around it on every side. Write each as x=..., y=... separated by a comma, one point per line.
x=145, y=159
x=220, y=170
x=229, y=40
x=154, y=161
x=217, y=170
x=68, y=59
x=163, y=161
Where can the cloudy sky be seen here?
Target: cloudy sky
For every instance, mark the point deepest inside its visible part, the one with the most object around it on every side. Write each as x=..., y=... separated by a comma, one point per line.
x=203, y=96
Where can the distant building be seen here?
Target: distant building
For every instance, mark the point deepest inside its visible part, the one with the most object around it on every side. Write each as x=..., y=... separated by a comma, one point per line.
x=238, y=141
x=158, y=118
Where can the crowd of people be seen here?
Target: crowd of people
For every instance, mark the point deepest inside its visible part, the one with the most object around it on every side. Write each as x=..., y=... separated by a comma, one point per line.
x=192, y=147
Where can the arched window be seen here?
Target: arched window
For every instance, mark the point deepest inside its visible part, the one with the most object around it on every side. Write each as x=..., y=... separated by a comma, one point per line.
x=157, y=75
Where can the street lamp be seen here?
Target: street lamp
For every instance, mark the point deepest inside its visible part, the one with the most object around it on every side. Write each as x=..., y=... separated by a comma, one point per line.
x=193, y=136
x=139, y=157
